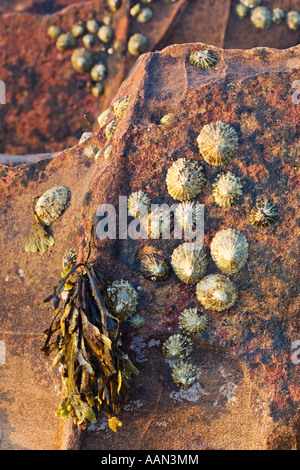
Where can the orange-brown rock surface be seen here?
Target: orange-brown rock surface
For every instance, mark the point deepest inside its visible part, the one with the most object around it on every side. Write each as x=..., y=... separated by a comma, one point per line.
x=47, y=98
x=247, y=392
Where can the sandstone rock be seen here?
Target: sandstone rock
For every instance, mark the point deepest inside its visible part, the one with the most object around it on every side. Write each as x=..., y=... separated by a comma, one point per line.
x=247, y=392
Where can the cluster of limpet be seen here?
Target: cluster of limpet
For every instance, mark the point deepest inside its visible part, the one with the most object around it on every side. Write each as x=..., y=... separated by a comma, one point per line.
x=263, y=214
x=227, y=189
x=185, y=179
x=155, y=267
x=122, y=299
x=192, y=322
x=218, y=143
x=189, y=262
x=177, y=346
x=138, y=204
x=229, y=250
x=217, y=292
x=184, y=374
x=262, y=17
x=204, y=59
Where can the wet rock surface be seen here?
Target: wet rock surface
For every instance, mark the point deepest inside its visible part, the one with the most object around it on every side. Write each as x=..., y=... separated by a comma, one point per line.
x=246, y=395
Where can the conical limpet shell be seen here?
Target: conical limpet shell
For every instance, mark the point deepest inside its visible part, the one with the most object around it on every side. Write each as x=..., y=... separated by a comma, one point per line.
x=138, y=44
x=184, y=374
x=104, y=117
x=204, y=59
x=263, y=214
x=52, y=204
x=192, y=322
x=229, y=250
x=121, y=105
x=155, y=267
x=189, y=262
x=68, y=261
x=217, y=292
x=111, y=129
x=138, y=204
x=227, y=189
x=137, y=321
x=91, y=151
x=218, y=143
x=261, y=17
x=177, y=346
x=122, y=299
x=293, y=20
x=82, y=60
x=185, y=179
x=188, y=214
x=65, y=42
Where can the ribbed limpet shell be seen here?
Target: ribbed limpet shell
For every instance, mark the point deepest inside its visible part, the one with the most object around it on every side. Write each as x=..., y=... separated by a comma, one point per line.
x=92, y=26
x=78, y=30
x=111, y=129
x=177, y=346
x=218, y=143
x=138, y=204
x=85, y=136
x=184, y=374
x=263, y=214
x=278, y=15
x=104, y=117
x=189, y=262
x=121, y=105
x=145, y=15
x=91, y=151
x=82, y=60
x=217, y=292
x=241, y=10
x=155, y=267
x=89, y=40
x=192, y=322
x=138, y=44
x=52, y=204
x=122, y=299
x=229, y=250
x=98, y=89
x=204, y=59
x=261, y=17
x=114, y=5
x=137, y=321
x=227, y=189
x=135, y=10
x=185, y=179
x=188, y=214
x=68, y=261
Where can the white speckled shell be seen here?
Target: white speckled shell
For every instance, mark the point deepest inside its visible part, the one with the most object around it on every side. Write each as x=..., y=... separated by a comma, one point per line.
x=189, y=262
x=122, y=299
x=52, y=204
x=217, y=292
x=229, y=250
x=185, y=179
x=227, y=189
x=218, y=143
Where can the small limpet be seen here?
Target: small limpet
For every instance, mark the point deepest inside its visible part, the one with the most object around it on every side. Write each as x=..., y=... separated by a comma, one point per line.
x=188, y=215
x=114, y=5
x=68, y=261
x=177, y=346
x=155, y=267
x=111, y=129
x=138, y=44
x=278, y=15
x=98, y=89
x=137, y=321
x=263, y=214
x=107, y=152
x=204, y=59
x=79, y=30
x=229, y=250
x=54, y=31
x=145, y=15
x=189, y=262
x=159, y=222
x=65, y=42
x=121, y=105
x=82, y=60
x=242, y=11
x=104, y=117
x=106, y=33
x=192, y=322
x=98, y=72
x=135, y=10
x=227, y=189
x=138, y=204
x=52, y=204
x=122, y=299
x=85, y=136
x=216, y=292
x=261, y=17
x=218, y=143
x=166, y=118
x=88, y=40
x=185, y=179
x=92, y=26
x=184, y=374
x=91, y=151
x=293, y=20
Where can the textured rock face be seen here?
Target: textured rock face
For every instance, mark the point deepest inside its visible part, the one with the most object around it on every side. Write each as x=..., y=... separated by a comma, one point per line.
x=247, y=393
x=46, y=98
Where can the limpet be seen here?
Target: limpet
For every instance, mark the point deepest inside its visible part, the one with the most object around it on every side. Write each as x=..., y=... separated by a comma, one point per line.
x=229, y=250
x=138, y=44
x=177, y=346
x=52, y=204
x=216, y=292
x=218, y=143
x=111, y=129
x=122, y=299
x=82, y=60
x=204, y=59
x=54, y=31
x=189, y=262
x=184, y=374
x=263, y=214
x=155, y=267
x=185, y=179
x=261, y=17
x=65, y=42
x=227, y=189
x=293, y=20
x=137, y=321
x=138, y=204
x=121, y=105
x=192, y=322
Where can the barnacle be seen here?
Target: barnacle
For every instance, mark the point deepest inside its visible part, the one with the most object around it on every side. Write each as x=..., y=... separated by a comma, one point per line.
x=54, y=31
x=218, y=143
x=251, y=3
x=138, y=204
x=98, y=89
x=227, y=189
x=155, y=267
x=204, y=59
x=114, y=5
x=65, y=42
x=137, y=44
x=229, y=250
x=92, y=26
x=79, y=29
x=137, y=321
x=106, y=33
x=189, y=262
x=188, y=215
x=111, y=129
x=278, y=15
x=184, y=374
x=52, y=204
x=177, y=347
x=104, y=117
x=261, y=17
x=91, y=151
x=145, y=15
x=263, y=214
x=185, y=179
x=192, y=322
x=241, y=10
x=166, y=118
x=82, y=60
x=217, y=292
x=98, y=72
x=122, y=299
x=85, y=337
x=88, y=40
x=158, y=223
x=121, y=105
x=293, y=20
